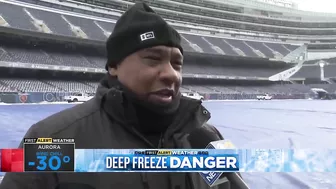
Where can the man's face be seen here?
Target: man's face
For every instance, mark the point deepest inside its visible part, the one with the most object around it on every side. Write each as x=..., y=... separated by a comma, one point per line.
x=154, y=74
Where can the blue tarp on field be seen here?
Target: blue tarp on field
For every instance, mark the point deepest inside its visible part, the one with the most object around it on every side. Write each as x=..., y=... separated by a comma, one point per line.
x=249, y=124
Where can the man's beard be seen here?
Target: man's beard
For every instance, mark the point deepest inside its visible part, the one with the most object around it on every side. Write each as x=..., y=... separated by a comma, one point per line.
x=159, y=108
x=142, y=101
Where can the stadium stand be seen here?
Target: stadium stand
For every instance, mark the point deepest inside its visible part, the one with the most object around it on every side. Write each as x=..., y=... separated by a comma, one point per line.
x=229, y=71
x=54, y=21
x=328, y=87
x=71, y=57
x=308, y=71
x=16, y=17
x=62, y=25
x=30, y=85
x=230, y=53
x=71, y=86
x=216, y=16
x=23, y=85
x=314, y=71
x=5, y=88
x=34, y=85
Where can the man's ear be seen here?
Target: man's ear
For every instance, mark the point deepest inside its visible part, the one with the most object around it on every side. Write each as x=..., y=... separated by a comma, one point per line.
x=113, y=71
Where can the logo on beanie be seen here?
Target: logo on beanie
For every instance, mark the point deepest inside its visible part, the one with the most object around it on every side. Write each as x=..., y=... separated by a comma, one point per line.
x=147, y=35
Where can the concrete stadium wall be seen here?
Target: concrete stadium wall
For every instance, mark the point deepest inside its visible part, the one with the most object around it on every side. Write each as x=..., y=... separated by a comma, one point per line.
x=37, y=97
x=33, y=97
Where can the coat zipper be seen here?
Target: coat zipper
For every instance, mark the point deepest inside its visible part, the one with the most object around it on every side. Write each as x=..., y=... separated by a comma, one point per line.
x=144, y=175
x=145, y=181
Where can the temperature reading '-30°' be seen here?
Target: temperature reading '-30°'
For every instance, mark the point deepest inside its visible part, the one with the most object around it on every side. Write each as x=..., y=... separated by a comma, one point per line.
x=53, y=163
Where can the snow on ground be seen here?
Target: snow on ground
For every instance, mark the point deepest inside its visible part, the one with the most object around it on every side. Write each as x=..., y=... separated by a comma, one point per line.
x=249, y=124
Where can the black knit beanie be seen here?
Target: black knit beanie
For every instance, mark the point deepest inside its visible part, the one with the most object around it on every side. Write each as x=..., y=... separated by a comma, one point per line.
x=139, y=28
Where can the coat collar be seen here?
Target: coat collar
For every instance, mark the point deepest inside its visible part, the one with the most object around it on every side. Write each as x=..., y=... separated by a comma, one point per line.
x=190, y=114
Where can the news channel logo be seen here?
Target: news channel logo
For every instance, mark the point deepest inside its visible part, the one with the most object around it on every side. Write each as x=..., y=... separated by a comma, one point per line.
x=210, y=177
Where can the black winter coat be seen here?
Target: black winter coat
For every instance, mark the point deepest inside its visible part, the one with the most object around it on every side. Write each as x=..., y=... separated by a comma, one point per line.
x=102, y=123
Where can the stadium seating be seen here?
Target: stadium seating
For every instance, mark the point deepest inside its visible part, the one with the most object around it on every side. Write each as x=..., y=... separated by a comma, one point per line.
x=70, y=57
x=290, y=47
x=31, y=85
x=23, y=85
x=96, y=61
x=88, y=26
x=76, y=60
x=61, y=25
x=278, y=48
x=328, y=87
x=314, y=71
x=71, y=86
x=243, y=47
x=270, y=89
x=67, y=57
x=300, y=88
x=54, y=22
x=227, y=48
x=286, y=89
x=308, y=71
x=28, y=55
x=224, y=89
x=72, y=26
x=200, y=89
x=4, y=88
x=16, y=17
x=330, y=70
x=92, y=84
x=229, y=71
x=4, y=55
x=245, y=89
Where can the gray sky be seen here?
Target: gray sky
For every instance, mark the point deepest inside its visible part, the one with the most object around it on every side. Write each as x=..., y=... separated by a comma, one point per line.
x=317, y=5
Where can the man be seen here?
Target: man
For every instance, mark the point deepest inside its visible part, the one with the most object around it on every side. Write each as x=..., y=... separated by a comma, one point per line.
x=137, y=105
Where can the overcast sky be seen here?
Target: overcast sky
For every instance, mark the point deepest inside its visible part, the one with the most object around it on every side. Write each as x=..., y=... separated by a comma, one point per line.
x=317, y=5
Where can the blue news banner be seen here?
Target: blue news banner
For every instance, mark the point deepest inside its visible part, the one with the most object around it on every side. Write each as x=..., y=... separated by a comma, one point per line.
x=229, y=160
